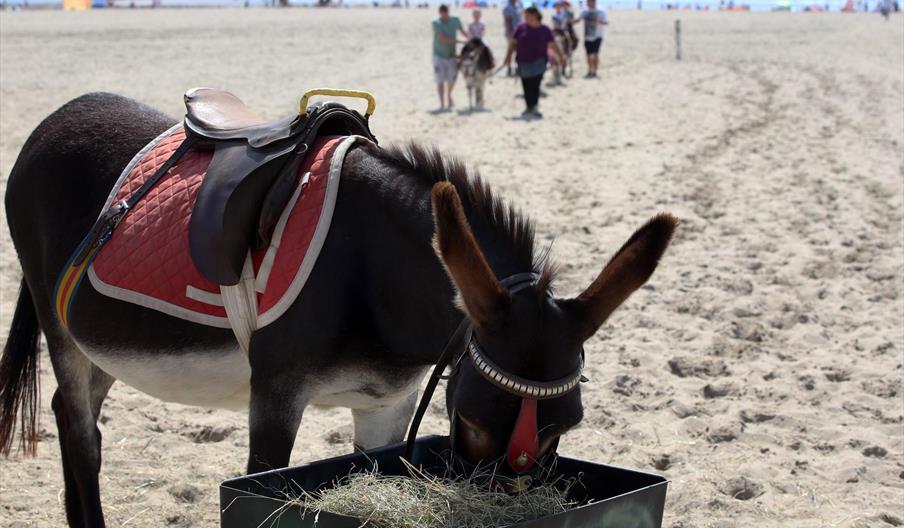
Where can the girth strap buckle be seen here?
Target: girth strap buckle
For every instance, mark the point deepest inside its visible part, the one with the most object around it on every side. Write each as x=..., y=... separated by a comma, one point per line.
x=103, y=230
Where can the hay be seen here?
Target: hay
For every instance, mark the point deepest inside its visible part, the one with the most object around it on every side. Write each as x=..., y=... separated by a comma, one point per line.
x=426, y=501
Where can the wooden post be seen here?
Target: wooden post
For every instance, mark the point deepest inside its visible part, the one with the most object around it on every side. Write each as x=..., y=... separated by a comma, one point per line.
x=678, y=39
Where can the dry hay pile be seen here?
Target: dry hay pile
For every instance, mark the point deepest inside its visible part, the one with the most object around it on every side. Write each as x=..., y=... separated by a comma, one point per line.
x=426, y=501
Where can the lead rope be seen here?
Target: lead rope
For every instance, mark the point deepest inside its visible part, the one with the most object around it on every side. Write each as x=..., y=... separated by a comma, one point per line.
x=462, y=334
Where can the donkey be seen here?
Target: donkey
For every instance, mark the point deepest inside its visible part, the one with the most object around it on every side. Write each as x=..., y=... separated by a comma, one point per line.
x=476, y=65
x=564, y=68
x=415, y=245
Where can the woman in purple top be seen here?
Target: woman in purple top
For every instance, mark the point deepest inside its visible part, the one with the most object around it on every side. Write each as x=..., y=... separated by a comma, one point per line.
x=532, y=42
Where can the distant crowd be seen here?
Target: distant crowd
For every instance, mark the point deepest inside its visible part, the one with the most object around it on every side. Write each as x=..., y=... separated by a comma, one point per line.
x=534, y=46
x=875, y=6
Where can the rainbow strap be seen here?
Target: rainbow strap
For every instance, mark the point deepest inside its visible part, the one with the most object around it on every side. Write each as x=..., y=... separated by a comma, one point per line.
x=68, y=281
x=72, y=275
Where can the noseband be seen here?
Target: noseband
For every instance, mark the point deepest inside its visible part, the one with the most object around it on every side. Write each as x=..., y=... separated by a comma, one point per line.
x=521, y=387
x=463, y=343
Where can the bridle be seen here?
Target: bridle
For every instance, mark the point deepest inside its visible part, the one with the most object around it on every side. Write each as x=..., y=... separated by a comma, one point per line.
x=521, y=387
x=522, y=448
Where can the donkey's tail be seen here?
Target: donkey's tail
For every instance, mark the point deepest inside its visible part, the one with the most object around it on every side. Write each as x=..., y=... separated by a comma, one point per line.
x=19, y=378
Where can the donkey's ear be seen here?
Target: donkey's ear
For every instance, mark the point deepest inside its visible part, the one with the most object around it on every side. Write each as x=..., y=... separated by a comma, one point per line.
x=627, y=271
x=481, y=295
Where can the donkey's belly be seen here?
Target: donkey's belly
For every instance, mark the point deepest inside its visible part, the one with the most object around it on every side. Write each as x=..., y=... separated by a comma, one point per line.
x=366, y=388
x=207, y=378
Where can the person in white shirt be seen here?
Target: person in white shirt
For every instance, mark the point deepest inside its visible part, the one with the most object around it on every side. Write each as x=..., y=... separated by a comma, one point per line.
x=477, y=28
x=595, y=22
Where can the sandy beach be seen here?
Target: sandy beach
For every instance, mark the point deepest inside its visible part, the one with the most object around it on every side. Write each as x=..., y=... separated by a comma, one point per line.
x=761, y=369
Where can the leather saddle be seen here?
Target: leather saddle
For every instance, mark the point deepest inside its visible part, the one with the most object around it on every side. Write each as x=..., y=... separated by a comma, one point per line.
x=252, y=173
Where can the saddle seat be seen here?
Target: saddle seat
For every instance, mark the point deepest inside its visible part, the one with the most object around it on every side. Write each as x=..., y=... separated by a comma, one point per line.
x=252, y=173
x=219, y=115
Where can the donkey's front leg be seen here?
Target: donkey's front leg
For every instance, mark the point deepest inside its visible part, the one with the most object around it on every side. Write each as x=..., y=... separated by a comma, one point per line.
x=276, y=408
x=385, y=425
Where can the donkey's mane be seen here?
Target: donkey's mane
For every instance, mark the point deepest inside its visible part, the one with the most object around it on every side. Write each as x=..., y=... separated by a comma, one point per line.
x=497, y=220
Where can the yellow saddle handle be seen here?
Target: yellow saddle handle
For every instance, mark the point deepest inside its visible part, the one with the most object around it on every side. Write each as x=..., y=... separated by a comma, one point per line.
x=371, y=102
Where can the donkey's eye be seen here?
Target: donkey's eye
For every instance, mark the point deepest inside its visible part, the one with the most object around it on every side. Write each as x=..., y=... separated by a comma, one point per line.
x=475, y=431
x=474, y=441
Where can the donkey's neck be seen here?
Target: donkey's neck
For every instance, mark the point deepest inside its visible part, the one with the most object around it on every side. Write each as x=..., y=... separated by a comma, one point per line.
x=411, y=296
x=502, y=260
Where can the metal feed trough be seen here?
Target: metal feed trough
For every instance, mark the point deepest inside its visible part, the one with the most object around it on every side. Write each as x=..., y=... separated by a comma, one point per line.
x=614, y=497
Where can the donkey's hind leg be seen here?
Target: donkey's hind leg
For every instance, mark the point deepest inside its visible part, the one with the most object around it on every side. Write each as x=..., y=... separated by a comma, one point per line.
x=81, y=390
x=481, y=85
x=375, y=428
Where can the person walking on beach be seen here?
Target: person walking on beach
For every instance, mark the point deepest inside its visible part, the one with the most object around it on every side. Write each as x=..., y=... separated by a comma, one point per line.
x=511, y=16
x=595, y=22
x=445, y=67
x=533, y=42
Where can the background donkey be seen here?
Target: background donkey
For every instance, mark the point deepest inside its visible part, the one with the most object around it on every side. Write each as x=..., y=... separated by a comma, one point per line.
x=476, y=65
x=374, y=315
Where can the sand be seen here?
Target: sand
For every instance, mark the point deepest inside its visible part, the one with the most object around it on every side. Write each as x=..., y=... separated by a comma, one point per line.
x=761, y=368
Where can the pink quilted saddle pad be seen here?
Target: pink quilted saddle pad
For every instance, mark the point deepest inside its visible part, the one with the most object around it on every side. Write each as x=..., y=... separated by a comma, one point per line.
x=147, y=260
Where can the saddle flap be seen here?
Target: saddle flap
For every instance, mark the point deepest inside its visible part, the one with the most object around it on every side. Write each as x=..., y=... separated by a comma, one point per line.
x=222, y=227
x=275, y=201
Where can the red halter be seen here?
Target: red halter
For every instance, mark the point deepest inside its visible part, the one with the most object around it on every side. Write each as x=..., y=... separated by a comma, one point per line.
x=524, y=445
